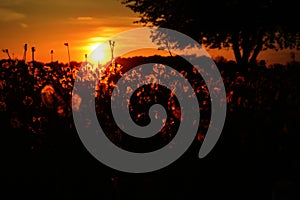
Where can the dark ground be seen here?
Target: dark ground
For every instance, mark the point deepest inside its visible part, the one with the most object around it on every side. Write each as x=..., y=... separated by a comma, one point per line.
x=257, y=152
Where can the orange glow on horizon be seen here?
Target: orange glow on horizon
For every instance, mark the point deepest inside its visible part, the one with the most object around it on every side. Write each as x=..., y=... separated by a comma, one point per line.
x=147, y=52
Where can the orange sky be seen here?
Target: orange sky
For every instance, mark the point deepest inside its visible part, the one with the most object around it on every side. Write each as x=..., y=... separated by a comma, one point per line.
x=48, y=24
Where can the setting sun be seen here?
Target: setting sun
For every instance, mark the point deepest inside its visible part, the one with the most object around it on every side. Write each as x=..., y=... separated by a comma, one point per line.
x=99, y=54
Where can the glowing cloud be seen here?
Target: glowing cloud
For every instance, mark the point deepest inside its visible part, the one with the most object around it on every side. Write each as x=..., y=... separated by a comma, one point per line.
x=10, y=15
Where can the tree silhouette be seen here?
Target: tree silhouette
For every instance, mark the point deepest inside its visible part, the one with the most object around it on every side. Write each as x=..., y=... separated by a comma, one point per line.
x=246, y=27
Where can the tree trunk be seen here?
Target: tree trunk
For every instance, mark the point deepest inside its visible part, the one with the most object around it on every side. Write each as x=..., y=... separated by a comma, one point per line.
x=236, y=48
x=256, y=51
x=246, y=47
x=250, y=46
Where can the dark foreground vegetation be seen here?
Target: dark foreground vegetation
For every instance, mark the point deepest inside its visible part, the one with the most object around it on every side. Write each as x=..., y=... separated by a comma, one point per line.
x=42, y=156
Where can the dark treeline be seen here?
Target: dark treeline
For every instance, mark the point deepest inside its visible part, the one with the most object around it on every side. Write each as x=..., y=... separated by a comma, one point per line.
x=44, y=158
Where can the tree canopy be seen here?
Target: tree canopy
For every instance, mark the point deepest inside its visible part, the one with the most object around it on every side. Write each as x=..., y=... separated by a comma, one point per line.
x=246, y=27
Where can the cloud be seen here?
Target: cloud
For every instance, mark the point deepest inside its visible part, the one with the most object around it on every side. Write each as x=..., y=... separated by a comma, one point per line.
x=11, y=2
x=7, y=15
x=23, y=25
x=113, y=21
x=84, y=18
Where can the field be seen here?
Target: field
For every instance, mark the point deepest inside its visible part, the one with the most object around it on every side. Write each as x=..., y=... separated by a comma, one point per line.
x=43, y=157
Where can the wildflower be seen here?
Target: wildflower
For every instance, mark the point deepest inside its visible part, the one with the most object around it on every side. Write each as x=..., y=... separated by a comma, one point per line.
x=47, y=94
x=28, y=101
x=2, y=106
x=76, y=102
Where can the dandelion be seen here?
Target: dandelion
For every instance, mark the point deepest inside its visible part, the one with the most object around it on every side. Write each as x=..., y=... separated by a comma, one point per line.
x=28, y=101
x=60, y=111
x=15, y=122
x=76, y=102
x=2, y=84
x=2, y=106
x=47, y=94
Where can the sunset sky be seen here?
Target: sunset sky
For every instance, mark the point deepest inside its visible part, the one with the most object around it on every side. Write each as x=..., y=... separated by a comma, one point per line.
x=48, y=24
